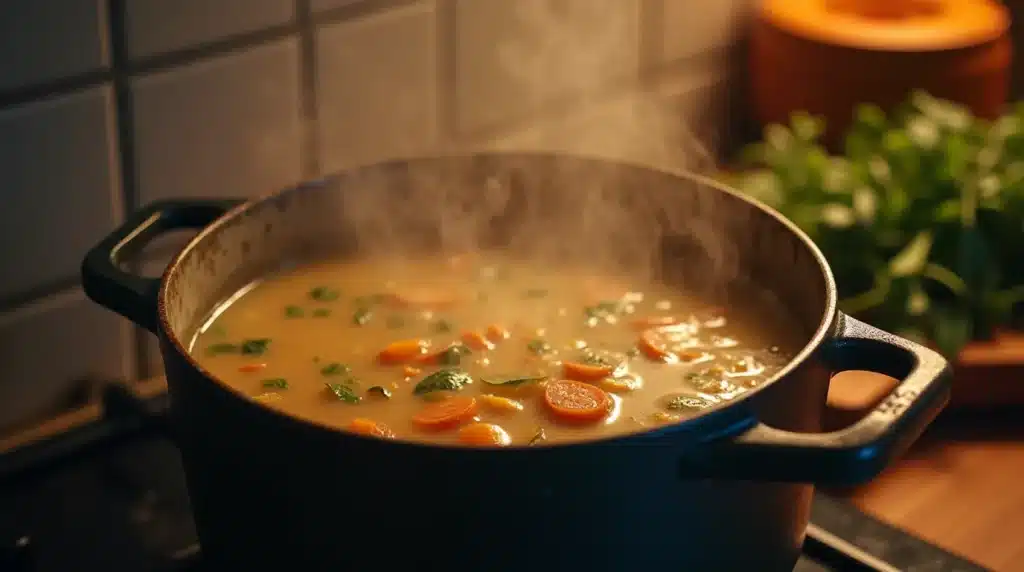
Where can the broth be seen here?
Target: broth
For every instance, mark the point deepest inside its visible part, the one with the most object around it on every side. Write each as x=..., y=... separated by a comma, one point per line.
x=488, y=350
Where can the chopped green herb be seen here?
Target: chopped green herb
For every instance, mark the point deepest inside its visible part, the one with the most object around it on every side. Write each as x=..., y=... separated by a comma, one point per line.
x=535, y=293
x=632, y=353
x=324, y=294
x=294, y=312
x=222, y=348
x=321, y=312
x=539, y=436
x=443, y=380
x=539, y=347
x=255, y=347
x=335, y=369
x=453, y=354
x=395, y=322
x=381, y=391
x=686, y=403
x=604, y=309
x=362, y=316
x=512, y=380
x=343, y=392
x=275, y=383
x=442, y=326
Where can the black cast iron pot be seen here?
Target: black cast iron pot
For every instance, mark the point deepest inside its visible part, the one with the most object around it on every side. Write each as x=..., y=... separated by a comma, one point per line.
x=728, y=490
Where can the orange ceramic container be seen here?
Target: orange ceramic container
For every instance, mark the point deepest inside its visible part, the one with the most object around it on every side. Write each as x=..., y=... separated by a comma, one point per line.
x=828, y=56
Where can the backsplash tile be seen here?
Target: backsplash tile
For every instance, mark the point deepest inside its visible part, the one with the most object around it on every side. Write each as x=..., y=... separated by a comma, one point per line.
x=49, y=347
x=48, y=40
x=692, y=27
x=511, y=57
x=159, y=26
x=381, y=106
x=227, y=126
x=61, y=190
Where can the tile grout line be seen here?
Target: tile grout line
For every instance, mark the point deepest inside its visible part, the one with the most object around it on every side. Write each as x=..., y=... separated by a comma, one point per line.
x=124, y=110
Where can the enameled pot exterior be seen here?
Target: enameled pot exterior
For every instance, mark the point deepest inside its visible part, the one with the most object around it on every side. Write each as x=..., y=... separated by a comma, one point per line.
x=729, y=490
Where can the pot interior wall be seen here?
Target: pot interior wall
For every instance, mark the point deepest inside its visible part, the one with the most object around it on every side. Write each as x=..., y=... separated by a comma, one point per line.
x=632, y=220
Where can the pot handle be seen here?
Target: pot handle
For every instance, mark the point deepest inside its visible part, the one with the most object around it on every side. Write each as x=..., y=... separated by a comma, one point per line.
x=133, y=296
x=848, y=456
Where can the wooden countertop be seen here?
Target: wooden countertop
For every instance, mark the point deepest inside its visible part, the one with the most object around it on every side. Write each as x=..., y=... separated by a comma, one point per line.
x=961, y=488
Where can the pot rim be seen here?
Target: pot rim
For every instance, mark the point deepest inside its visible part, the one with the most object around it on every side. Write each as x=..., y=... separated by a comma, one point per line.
x=722, y=419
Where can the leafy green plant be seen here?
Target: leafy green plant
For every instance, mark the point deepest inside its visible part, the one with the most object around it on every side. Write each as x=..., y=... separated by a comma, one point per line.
x=921, y=217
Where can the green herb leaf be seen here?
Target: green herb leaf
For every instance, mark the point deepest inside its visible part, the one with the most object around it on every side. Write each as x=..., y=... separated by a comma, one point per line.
x=538, y=436
x=686, y=403
x=222, y=348
x=371, y=300
x=442, y=326
x=453, y=354
x=513, y=380
x=343, y=392
x=380, y=391
x=321, y=312
x=255, y=347
x=275, y=383
x=362, y=316
x=324, y=294
x=294, y=312
x=539, y=347
x=335, y=369
x=443, y=380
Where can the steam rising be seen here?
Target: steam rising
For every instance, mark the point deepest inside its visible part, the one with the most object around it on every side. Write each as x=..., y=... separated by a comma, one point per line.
x=561, y=211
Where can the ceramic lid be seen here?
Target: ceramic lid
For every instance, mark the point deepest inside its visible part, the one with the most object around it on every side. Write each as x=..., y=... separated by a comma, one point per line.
x=891, y=25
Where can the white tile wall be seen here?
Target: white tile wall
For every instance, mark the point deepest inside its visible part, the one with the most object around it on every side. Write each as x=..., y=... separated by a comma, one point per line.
x=60, y=191
x=47, y=40
x=380, y=105
x=47, y=347
x=692, y=27
x=158, y=26
x=228, y=126
x=514, y=56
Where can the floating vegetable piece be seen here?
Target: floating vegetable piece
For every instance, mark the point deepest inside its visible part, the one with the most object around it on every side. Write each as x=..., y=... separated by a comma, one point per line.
x=443, y=380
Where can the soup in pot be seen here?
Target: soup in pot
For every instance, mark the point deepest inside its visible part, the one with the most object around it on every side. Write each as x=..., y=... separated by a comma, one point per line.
x=487, y=350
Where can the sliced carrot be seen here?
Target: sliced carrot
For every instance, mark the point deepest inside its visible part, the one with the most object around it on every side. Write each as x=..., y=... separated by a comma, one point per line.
x=484, y=434
x=497, y=333
x=651, y=346
x=477, y=341
x=502, y=404
x=578, y=402
x=370, y=427
x=445, y=414
x=403, y=351
x=425, y=298
x=410, y=371
x=586, y=372
x=251, y=367
x=654, y=322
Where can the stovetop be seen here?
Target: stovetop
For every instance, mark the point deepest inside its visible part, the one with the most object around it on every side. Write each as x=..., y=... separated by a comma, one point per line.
x=110, y=496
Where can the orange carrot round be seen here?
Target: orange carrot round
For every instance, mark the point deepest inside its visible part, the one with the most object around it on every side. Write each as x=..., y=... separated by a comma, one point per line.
x=252, y=367
x=586, y=372
x=369, y=427
x=651, y=345
x=484, y=434
x=477, y=341
x=497, y=333
x=654, y=322
x=577, y=402
x=445, y=414
x=402, y=351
